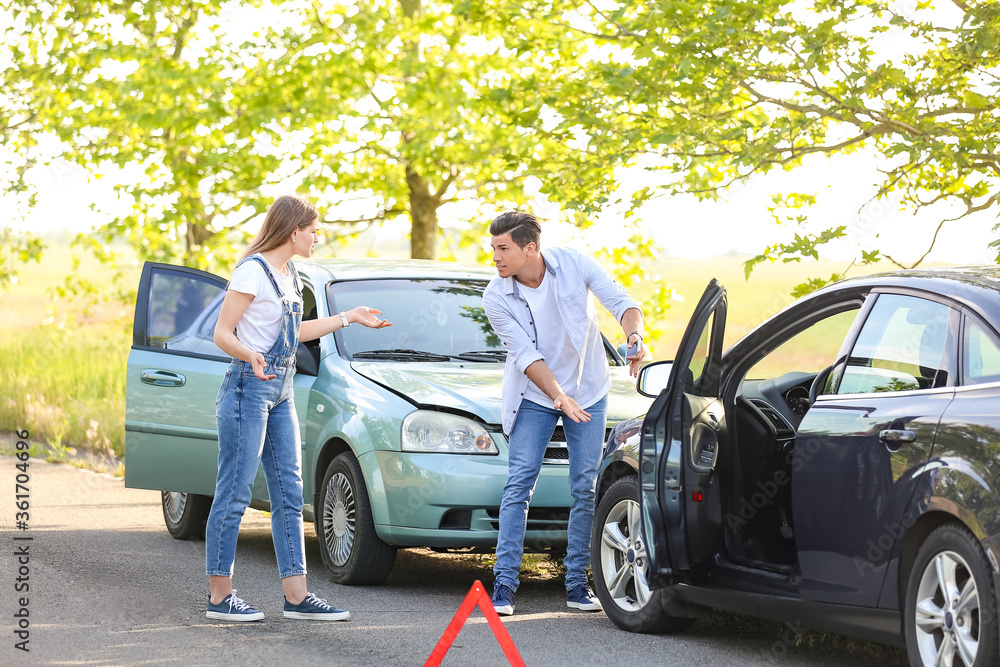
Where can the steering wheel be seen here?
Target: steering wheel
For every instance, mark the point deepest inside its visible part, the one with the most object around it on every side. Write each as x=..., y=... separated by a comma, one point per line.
x=817, y=384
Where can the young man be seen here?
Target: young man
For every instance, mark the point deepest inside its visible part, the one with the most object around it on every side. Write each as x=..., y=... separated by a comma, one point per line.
x=540, y=306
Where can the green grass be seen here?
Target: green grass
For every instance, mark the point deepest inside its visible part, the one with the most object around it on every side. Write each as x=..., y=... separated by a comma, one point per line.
x=66, y=385
x=750, y=302
x=62, y=365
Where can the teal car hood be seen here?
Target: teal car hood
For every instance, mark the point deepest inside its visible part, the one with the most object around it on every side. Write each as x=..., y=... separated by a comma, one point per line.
x=475, y=388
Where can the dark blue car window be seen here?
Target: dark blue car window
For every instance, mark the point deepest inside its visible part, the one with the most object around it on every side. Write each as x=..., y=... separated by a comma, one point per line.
x=439, y=316
x=981, y=356
x=810, y=350
x=693, y=378
x=901, y=347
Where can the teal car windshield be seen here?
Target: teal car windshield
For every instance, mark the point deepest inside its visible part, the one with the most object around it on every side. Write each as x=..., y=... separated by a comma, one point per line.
x=433, y=320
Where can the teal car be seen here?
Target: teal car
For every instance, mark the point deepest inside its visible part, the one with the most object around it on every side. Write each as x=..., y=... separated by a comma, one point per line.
x=400, y=427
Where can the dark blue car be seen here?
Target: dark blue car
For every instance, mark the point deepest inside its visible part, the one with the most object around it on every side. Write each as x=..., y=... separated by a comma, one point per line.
x=839, y=466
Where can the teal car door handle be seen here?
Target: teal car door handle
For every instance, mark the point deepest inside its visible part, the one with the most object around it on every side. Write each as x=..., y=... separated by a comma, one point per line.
x=162, y=378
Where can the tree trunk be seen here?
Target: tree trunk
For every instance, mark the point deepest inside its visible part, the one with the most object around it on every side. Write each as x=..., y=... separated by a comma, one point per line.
x=423, y=203
x=423, y=216
x=196, y=231
x=411, y=8
x=196, y=235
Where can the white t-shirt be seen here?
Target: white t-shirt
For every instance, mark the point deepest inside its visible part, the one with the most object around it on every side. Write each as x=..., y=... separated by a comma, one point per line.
x=554, y=343
x=260, y=324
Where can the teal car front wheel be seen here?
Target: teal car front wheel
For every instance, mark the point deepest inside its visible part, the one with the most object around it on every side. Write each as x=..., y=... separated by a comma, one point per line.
x=351, y=549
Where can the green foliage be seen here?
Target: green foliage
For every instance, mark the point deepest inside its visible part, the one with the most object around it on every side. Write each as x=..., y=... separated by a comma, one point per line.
x=802, y=246
x=711, y=93
x=19, y=126
x=790, y=201
x=120, y=85
x=632, y=264
x=18, y=130
x=386, y=108
x=16, y=248
x=813, y=284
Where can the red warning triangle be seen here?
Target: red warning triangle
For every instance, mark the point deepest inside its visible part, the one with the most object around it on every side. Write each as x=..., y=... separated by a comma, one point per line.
x=477, y=596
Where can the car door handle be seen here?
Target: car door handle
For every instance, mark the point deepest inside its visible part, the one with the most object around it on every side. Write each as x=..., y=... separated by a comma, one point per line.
x=162, y=378
x=896, y=438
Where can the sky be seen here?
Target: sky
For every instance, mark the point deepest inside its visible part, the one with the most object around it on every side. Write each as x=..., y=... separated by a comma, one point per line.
x=740, y=222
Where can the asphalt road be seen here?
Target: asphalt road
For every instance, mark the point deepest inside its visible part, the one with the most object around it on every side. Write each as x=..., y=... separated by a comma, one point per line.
x=109, y=586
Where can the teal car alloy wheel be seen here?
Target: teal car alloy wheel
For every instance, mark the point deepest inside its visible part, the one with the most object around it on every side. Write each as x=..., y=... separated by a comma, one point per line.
x=340, y=516
x=351, y=549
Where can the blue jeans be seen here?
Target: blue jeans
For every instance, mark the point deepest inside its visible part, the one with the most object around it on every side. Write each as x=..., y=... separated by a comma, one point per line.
x=528, y=440
x=257, y=424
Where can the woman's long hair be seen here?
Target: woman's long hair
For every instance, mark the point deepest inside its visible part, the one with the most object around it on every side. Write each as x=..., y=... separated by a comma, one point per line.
x=286, y=214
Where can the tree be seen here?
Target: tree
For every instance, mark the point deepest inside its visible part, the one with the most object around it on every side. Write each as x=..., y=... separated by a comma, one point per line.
x=710, y=93
x=16, y=249
x=120, y=85
x=18, y=130
x=431, y=107
x=408, y=106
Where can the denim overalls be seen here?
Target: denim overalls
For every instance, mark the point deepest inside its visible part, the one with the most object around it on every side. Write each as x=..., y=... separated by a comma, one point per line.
x=257, y=424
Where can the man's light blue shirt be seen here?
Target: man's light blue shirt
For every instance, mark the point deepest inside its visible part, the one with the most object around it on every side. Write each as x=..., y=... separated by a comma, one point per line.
x=576, y=276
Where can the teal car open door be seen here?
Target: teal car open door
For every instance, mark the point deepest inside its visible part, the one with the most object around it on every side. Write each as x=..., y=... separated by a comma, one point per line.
x=174, y=373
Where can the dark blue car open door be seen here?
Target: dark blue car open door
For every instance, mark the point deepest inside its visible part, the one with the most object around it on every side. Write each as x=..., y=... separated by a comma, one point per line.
x=680, y=443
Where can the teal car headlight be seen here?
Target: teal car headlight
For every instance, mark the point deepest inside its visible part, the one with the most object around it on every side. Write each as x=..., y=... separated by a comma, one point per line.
x=427, y=431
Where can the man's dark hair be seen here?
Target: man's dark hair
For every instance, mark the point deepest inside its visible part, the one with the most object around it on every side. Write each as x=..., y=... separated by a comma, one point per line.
x=523, y=228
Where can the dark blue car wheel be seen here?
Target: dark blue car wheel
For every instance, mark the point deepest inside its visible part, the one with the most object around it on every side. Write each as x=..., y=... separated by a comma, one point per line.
x=951, y=614
x=619, y=565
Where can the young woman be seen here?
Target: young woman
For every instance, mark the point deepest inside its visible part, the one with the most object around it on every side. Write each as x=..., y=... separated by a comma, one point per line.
x=260, y=326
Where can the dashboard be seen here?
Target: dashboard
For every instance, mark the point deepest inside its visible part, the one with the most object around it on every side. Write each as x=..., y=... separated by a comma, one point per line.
x=779, y=403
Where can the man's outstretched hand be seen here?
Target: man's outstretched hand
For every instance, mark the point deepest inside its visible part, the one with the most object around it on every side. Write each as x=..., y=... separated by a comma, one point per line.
x=571, y=408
